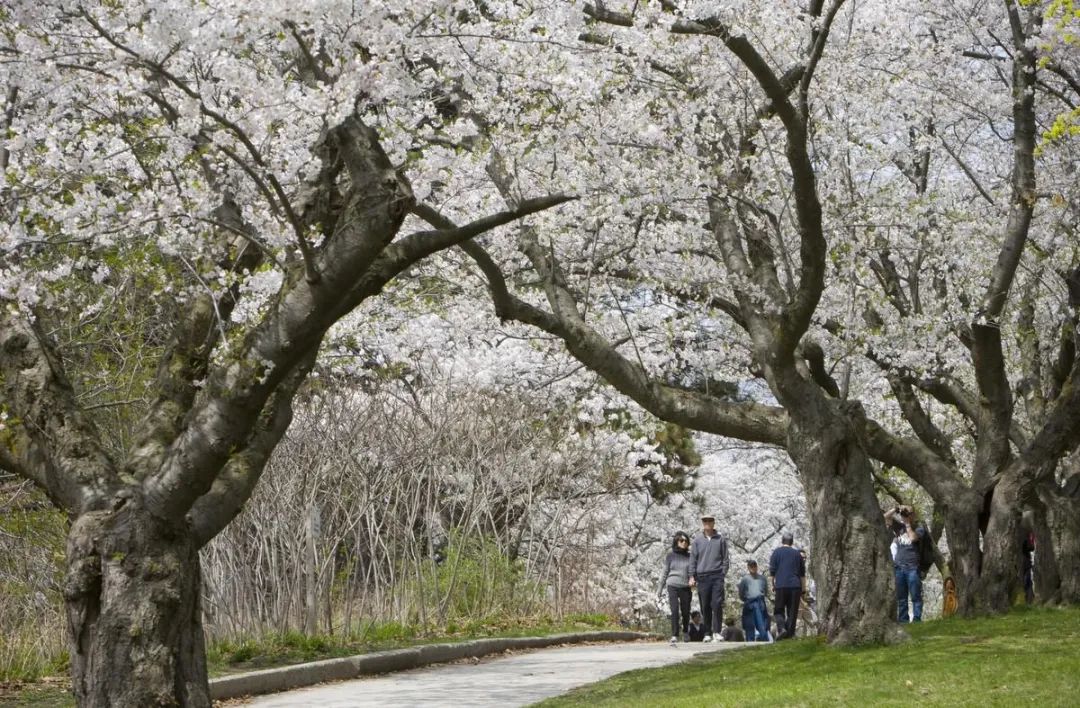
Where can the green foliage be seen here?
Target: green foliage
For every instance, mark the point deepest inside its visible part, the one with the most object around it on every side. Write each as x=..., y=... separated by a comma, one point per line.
x=112, y=326
x=589, y=620
x=477, y=580
x=675, y=472
x=1066, y=125
x=281, y=648
x=390, y=632
x=1029, y=657
x=676, y=445
x=32, y=536
x=231, y=656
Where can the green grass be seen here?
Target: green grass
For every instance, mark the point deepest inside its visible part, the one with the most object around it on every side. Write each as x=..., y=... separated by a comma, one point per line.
x=228, y=657
x=1030, y=657
x=45, y=693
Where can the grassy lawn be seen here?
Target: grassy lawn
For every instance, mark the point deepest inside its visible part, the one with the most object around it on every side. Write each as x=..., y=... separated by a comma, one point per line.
x=46, y=693
x=225, y=658
x=1030, y=657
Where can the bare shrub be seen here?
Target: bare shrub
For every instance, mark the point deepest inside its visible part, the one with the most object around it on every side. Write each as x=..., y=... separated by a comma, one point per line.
x=32, y=626
x=443, y=506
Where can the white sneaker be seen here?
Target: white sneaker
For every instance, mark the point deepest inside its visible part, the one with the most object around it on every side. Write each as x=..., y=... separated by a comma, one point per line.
x=674, y=641
x=707, y=639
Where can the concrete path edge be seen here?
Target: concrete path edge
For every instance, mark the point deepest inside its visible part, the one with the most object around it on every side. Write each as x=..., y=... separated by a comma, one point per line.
x=299, y=675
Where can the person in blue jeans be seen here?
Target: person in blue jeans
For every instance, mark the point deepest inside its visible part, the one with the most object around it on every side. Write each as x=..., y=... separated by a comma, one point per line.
x=907, y=534
x=753, y=589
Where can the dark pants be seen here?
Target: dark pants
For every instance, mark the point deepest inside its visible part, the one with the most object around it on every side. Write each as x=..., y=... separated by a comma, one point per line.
x=679, y=602
x=755, y=620
x=710, y=592
x=787, y=611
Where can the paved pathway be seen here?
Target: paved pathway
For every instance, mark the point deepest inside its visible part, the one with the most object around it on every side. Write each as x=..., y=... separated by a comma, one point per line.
x=513, y=680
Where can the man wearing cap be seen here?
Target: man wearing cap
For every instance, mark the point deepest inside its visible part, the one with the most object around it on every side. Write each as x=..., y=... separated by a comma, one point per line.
x=787, y=569
x=753, y=589
x=708, y=569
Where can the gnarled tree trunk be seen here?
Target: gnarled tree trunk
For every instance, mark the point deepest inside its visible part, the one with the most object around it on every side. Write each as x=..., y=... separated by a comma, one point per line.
x=962, y=531
x=1046, y=575
x=132, y=594
x=1063, y=522
x=851, y=561
x=1000, y=585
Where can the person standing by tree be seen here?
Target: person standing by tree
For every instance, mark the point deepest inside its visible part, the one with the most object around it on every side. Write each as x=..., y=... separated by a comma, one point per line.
x=753, y=589
x=1027, y=566
x=708, y=569
x=787, y=569
x=676, y=579
x=904, y=525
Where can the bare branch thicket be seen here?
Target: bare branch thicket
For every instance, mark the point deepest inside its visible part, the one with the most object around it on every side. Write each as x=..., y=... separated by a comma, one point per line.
x=449, y=507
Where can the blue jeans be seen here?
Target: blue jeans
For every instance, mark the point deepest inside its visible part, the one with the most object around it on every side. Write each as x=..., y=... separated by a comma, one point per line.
x=755, y=620
x=908, y=581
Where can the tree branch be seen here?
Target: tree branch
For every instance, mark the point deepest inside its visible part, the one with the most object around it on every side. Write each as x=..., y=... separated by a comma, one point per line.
x=917, y=461
x=744, y=420
x=213, y=511
x=45, y=436
x=992, y=449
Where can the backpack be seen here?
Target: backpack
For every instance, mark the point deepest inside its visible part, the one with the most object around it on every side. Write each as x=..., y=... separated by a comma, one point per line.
x=926, y=553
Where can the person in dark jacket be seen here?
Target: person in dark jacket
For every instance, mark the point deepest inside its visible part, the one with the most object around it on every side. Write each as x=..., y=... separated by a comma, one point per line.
x=708, y=570
x=787, y=569
x=697, y=629
x=731, y=633
x=676, y=580
x=1027, y=566
x=907, y=534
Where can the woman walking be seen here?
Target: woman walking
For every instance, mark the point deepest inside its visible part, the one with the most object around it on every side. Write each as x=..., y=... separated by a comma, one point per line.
x=676, y=579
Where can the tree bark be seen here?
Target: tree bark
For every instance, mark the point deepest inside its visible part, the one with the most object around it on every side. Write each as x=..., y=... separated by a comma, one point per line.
x=1047, y=577
x=851, y=562
x=1000, y=585
x=962, y=531
x=1063, y=522
x=132, y=594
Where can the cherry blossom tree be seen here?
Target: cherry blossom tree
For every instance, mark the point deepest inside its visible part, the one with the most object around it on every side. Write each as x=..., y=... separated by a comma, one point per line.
x=750, y=176
x=250, y=166
x=671, y=160
x=959, y=293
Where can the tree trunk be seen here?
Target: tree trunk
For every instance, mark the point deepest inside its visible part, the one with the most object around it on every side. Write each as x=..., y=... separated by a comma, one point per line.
x=965, y=553
x=132, y=595
x=1000, y=585
x=1046, y=572
x=851, y=562
x=1063, y=520
x=311, y=570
